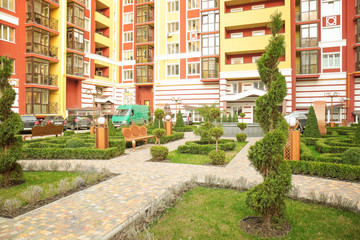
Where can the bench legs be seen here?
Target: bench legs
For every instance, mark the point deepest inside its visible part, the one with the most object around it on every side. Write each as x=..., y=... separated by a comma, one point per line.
x=133, y=145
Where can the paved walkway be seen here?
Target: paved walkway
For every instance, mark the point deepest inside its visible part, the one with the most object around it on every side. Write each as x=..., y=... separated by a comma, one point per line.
x=95, y=212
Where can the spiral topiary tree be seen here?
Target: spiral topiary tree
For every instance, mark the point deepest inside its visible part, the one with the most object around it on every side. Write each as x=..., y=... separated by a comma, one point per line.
x=266, y=156
x=159, y=115
x=10, y=123
x=312, y=127
x=179, y=120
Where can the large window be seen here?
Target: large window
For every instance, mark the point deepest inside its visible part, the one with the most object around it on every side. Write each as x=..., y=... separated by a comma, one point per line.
x=37, y=101
x=144, y=74
x=172, y=48
x=173, y=27
x=75, y=39
x=194, y=68
x=210, y=68
x=194, y=46
x=309, y=62
x=128, y=75
x=173, y=70
x=128, y=55
x=75, y=14
x=8, y=4
x=127, y=2
x=358, y=30
x=7, y=33
x=210, y=44
x=331, y=8
x=193, y=25
x=144, y=54
x=193, y=4
x=75, y=64
x=144, y=14
x=37, y=41
x=331, y=60
x=128, y=36
x=38, y=11
x=209, y=4
x=37, y=71
x=173, y=6
x=309, y=35
x=210, y=21
x=308, y=10
x=144, y=34
x=128, y=18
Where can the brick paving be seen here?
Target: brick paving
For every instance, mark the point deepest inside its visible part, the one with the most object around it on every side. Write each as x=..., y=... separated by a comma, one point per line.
x=95, y=212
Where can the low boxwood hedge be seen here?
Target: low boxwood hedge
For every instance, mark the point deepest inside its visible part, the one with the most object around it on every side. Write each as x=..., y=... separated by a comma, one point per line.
x=309, y=141
x=194, y=148
x=340, y=130
x=322, y=169
x=322, y=147
x=329, y=157
x=184, y=129
x=305, y=153
x=165, y=139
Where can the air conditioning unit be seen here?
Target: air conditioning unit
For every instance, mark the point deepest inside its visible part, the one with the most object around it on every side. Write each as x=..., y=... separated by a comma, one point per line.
x=169, y=35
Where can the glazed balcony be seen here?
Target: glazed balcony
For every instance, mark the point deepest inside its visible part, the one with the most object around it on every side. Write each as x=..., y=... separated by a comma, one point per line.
x=75, y=14
x=144, y=14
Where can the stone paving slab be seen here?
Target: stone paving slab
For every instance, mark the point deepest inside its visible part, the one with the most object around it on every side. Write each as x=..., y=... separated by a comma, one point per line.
x=95, y=212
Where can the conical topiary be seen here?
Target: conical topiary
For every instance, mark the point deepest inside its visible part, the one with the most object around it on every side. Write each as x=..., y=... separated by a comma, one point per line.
x=179, y=120
x=312, y=127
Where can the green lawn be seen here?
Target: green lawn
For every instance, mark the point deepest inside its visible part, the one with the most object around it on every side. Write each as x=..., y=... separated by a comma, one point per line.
x=42, y=179
x=205, y=213
x=198, y=159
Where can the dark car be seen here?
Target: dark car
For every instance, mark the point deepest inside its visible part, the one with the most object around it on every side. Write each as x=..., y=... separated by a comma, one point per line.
x=29, y=122
x=56, y=120
x=301, y=116
x=75, y=122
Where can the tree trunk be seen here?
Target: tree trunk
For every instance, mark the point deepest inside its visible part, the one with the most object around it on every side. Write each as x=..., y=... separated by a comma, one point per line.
x=159, y=123
x=216, y=144
x=6, y=177
x=267, y=220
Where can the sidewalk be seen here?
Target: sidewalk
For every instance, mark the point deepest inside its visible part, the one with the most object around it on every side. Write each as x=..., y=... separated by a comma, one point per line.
x=96, y=211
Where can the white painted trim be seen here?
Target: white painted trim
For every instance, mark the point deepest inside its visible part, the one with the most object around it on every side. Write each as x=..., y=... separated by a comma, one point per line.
x=249, y=74
x=335, y=75
x=109, y=61
x=338, y=43
x=8, y=18
x=177, y=56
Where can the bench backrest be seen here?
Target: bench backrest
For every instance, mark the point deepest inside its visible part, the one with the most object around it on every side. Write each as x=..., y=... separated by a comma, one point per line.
x=49, y=129
x=134, y=131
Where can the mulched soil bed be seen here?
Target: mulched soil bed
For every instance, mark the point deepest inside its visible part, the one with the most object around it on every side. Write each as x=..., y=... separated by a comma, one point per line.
x=253, y=226
x=43, y=202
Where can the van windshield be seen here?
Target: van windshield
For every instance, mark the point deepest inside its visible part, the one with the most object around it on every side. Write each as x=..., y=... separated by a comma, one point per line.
x=122, y=112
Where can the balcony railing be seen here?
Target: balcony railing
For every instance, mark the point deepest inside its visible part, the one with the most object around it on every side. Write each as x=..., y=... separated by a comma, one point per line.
x=53, y=80
x=50, y=51
x=99, y=11
x=76, y=71
x=306, y=16
x=144, y=59
x=144, y=38
x=144, y=1
x=306, y=42
x=144, y=79
x=102, y=33
x=307, y=69
x=54, y=24
x=76, y=46
x=105, y=75
x=101, y=53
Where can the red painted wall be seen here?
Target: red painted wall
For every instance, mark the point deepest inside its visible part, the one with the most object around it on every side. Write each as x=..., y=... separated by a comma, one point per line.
x=73, y=93
x=144, y=93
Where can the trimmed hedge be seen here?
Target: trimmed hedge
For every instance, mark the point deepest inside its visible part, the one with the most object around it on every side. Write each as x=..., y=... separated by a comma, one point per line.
x=184, y=129
x=165, y=139
x=322, y=147
x=322, y=169
x=305, y=153
x=340, y=130
x=309, y=141
x=329, y=158
x=159, y=153
x=204, y=149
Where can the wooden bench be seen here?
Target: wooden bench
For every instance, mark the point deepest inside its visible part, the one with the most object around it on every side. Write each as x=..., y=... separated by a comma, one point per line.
x=135, y=133
x=49, y=129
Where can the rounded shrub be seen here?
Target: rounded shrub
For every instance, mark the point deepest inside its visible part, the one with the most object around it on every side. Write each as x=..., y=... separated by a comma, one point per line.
x=242, y=126
x=241, y=137
x=217, y=157
x=158, y=132
x=75, y=143
x=351, y=156
x=159, y=153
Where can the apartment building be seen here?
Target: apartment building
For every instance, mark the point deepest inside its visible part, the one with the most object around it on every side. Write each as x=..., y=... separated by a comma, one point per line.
x=153, y=52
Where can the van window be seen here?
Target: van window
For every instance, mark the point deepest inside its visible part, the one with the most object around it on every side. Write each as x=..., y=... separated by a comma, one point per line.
x=122, y=112
x=132, y=112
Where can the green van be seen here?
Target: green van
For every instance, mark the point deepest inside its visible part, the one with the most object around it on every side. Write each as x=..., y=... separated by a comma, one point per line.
x=127, y=114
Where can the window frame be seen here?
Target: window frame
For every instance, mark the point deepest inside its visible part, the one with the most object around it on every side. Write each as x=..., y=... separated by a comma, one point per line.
x=32, y=103
x=173, y=48
x=212, y=22
x=172, y=6
x=193, y=4
x=241, y=59
x=128, y=74
x=333, y=60
x=174, y=23
x=126, y=17
x=193, y=66
x=128, y=37
x=9, y=33
x=174, y=70
x=211, y=38
x=190, y=48
x=210, y=73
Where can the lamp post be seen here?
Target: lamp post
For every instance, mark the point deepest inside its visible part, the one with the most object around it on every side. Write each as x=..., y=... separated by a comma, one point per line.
x=94, y=93
x=331, y=95
x=345, y=100
x=177, y=101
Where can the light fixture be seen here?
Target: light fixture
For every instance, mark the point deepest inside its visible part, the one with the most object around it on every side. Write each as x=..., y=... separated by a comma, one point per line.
x=168, y=117
x=292, y=121
x=101, y=120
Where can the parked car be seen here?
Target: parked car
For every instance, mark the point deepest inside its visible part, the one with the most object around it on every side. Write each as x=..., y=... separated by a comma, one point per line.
x=301, y=116
x=127, y=114
x=74, y=122
x=56, y=120
x=29, y=122
x=187, y=119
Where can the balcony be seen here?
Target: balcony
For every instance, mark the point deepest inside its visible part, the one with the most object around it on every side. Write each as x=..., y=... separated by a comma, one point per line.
x=75, y=39
x=306, y=16
x=102, y=40
x=144, y=34
x=102, y=20
x=144, y=74
x=307, y=69
x=75, y=64
x=245, y=45
x=49, y=51
x=144, y=79
x=75, y=14
x=144, y=1
x=144, y=14
x=306, y=42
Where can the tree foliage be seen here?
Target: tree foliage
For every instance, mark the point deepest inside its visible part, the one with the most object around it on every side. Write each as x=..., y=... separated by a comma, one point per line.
x=10, y=122
x=357, y=134
x=209, y=113
x=266, y=156
x=312, y=127
x=216, y=133
x=159, y=114
x=159, y=133
x=179, y=120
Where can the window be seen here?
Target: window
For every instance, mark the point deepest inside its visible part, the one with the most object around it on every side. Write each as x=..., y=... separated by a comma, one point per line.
x=75, y=64
x=144, y=74
x=331, y=60
x=357, y=63
x=128, y=75
x=173, y=27
x=210, y=44
x=75, y=39
x=144, y=54
x=87, y=45
x=238, y=60
x=255, y=59
x=308, y=10
x=37, y=101
x=258, y=33
x=144, y=14
x=193, y=25
x=210, y=68
x=37, y=41
x=259, y=85
x=210, y=21
x=173, y=69
x=209, y=4
x=331, y=8
x=128, y=36
x=87, y=4
x=38, y=11
x=193, y=4
x=237, y=35
x=194, y=46
x=258, y=7
x=8, y=4
x=7, y=33
x=144, y=33
x=173, y=6
x=75, y=14
x=127, y=2
x=86, y=68
x=358, y=30
x=128, y=55
x=37, y=71
x=239, y=9
x=13, y=66
x=235, y=88
x=87, y=24
x=194, y=68
x=128, y=18
x=173, y=48
x=308, y=62
x=237, y=111
x=308, y=35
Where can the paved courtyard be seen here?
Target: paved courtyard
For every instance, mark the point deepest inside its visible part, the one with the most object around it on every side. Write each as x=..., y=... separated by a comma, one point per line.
x=97, y=211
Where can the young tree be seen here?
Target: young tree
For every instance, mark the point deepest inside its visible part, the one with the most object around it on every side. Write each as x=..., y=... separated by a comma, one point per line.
x=216, y=133
x=224, y=118
x=312, y=127
x=229, y=118
x=266, y=156
x=214, y=113
x=159, y=114
x=179, y=120
x=208, y=113
x=10, y=123
x=235, y=118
